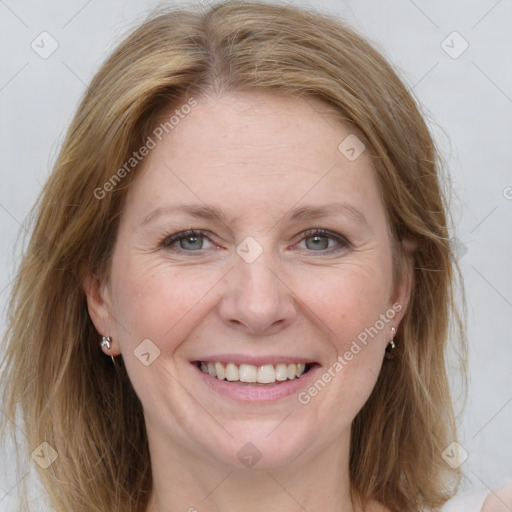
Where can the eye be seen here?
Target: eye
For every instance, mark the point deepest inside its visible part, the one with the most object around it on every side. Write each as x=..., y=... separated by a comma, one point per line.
x=321, y=240
x=191, y=240
x=316, y=240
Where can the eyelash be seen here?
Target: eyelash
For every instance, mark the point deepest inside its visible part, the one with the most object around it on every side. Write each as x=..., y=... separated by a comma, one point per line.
x=343, y=243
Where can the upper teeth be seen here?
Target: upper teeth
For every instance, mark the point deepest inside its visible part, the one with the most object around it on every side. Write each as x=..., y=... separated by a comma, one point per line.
x=264, y=374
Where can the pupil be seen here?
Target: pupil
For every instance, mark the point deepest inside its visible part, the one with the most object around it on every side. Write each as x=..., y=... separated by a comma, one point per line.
x=319, y=242
x=189, y=242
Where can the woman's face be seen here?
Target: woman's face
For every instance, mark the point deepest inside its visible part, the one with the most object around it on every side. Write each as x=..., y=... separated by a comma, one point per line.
x=289, y=263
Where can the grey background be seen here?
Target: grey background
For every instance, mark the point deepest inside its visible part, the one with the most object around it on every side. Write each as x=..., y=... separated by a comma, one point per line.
x=467, y=101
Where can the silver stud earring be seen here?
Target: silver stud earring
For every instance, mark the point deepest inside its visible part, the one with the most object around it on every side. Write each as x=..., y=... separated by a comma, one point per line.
x=391, y=345
x=105, y=342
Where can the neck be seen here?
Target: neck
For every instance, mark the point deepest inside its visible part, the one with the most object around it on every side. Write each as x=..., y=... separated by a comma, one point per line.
x=183, y=482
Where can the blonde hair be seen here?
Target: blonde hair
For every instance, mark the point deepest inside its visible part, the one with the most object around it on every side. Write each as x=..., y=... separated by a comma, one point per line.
x=71, y=396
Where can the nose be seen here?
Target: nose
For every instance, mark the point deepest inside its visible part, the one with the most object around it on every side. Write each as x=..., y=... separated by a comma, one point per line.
x=256, y=300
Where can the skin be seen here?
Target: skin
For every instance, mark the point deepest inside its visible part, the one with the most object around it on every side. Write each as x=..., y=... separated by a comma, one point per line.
x=499, y=500
x=257, y=156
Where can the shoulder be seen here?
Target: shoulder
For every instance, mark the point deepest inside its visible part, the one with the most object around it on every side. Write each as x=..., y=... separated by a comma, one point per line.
x=499, y=500
x=482, y=500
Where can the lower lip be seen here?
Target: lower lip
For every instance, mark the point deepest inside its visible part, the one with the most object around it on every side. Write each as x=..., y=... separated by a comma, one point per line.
x=247, y=393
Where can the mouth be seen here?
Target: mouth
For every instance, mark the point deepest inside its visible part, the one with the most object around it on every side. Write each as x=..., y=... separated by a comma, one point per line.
x=251, y=375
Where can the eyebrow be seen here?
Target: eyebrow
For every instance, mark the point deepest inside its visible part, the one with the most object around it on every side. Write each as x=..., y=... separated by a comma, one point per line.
x=206, y=212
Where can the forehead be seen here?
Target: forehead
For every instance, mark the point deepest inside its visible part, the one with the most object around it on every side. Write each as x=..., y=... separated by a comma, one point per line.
x=257, y=151
x=256, y=123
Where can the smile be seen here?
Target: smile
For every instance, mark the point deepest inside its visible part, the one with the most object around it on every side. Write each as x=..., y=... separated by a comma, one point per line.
x=248, y=373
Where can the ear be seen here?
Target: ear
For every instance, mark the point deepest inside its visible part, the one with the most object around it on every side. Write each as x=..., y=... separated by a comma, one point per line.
x=99, y=307
x=402, y=290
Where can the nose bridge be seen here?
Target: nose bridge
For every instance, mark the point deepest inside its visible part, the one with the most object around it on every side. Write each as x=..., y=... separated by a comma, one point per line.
x=259, y=282
x=256, y=299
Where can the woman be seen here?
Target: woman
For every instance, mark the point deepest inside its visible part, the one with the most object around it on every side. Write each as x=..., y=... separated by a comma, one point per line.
x=246, y=219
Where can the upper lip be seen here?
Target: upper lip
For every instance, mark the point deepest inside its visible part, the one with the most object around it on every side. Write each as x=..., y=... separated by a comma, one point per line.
x=254, y=360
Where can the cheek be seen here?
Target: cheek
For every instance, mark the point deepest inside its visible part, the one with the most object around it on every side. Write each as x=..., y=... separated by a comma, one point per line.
x=349, y=299
x=360, y=317
x=158, y=302
x=352, y=302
